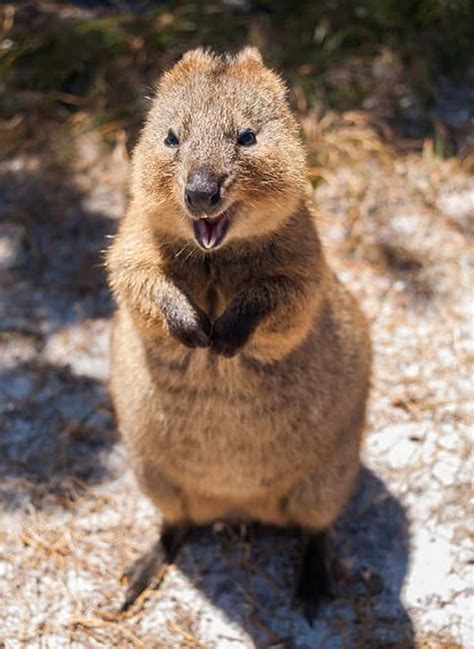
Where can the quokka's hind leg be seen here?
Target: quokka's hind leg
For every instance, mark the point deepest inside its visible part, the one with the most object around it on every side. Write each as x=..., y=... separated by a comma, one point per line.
x=314, y=582
x=313, y=504
x=162, y=553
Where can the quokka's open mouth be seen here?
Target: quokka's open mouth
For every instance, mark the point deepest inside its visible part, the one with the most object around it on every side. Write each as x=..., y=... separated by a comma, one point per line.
x=210, y=232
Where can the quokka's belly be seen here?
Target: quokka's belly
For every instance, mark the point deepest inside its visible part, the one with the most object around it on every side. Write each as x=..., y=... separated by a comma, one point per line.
x=228, y=433
x=224, y=427
x=231, y=447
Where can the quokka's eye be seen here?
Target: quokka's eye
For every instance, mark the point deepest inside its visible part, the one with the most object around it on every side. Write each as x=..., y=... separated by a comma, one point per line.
x=247, y=138
x=171, y=139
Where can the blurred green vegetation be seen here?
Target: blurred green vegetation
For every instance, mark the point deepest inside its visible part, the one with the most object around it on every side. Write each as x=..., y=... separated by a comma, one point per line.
x=63, y=59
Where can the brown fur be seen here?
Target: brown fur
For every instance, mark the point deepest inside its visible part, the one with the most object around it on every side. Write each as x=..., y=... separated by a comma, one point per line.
x=272, y=433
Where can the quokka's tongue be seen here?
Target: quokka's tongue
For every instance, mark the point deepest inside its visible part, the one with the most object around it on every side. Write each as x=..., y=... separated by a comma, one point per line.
x=210, y=232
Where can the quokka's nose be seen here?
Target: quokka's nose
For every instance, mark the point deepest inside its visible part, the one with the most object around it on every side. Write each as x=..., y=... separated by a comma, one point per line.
x=202, y=192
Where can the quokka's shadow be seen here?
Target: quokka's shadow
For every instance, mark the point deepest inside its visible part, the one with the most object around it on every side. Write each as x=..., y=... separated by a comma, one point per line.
x=251, y=581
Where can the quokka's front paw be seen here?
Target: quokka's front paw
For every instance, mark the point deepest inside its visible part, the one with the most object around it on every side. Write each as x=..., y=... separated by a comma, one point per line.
x=230, y=333
x=184, y=320
x=190, y=326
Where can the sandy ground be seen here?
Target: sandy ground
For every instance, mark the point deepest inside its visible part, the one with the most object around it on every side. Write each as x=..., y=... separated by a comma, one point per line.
x=398, y=228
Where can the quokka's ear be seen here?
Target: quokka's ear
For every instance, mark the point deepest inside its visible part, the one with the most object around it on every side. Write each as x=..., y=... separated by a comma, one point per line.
x=191, y=61
x=199, y=57
x=249, y=55
x=252, y=62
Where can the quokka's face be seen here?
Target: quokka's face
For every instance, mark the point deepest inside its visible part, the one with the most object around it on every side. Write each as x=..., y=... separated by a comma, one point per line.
x=219, y=157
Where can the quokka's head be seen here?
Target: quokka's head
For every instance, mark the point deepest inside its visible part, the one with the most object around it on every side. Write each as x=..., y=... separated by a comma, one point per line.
x=219, y=158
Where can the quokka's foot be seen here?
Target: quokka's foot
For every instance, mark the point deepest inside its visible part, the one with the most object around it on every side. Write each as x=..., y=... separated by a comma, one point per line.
x=163, y=552
x=314, y=582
